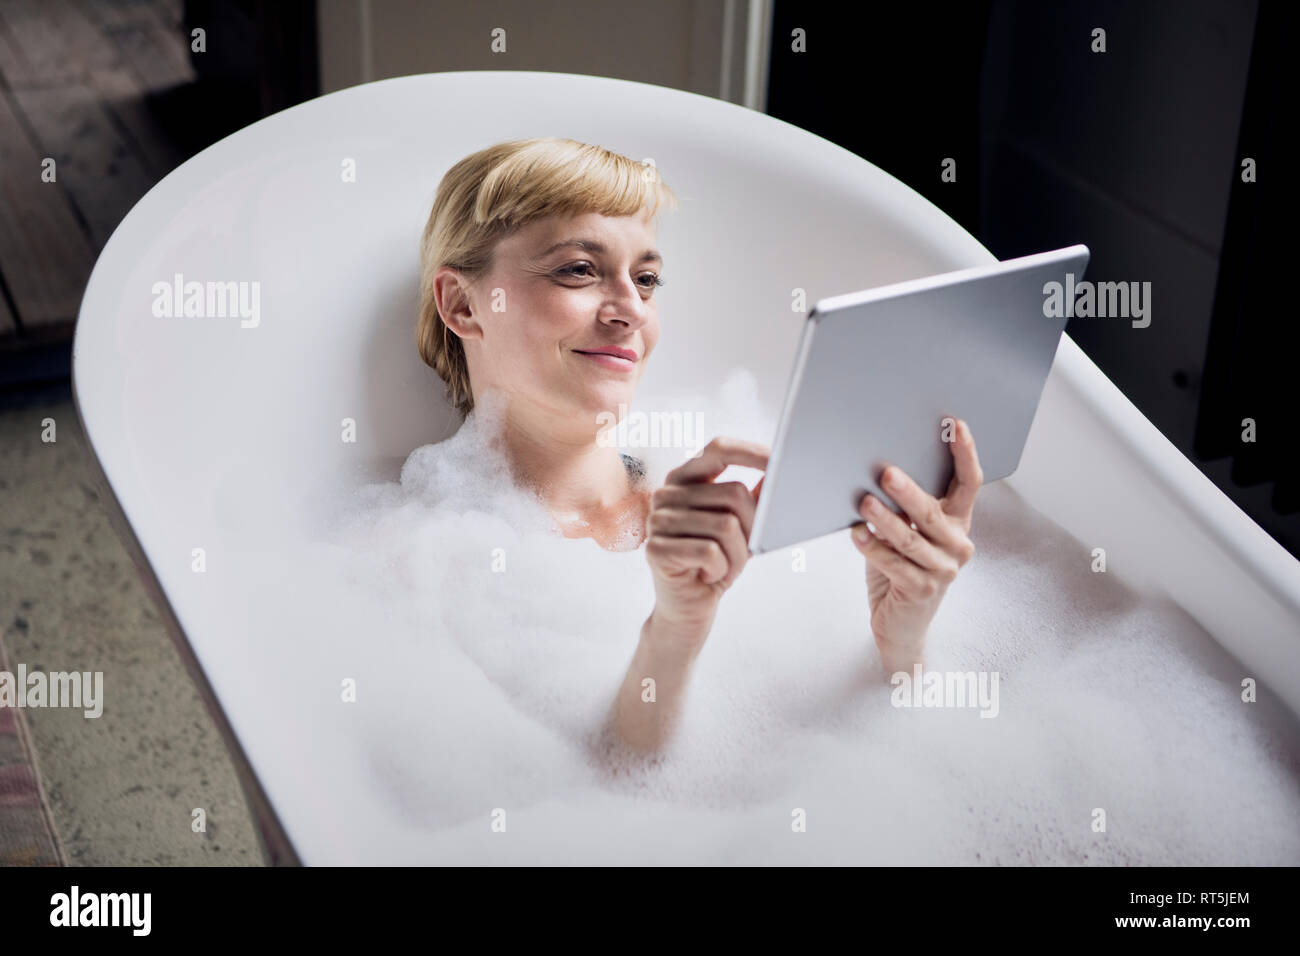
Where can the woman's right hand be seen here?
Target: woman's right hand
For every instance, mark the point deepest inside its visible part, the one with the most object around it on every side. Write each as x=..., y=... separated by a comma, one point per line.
x=697, y=536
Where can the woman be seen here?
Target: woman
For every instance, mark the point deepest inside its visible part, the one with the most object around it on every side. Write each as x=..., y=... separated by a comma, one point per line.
x=538, y=273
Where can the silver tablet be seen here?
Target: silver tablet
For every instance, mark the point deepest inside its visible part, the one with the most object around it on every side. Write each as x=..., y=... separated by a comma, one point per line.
x=880, y=373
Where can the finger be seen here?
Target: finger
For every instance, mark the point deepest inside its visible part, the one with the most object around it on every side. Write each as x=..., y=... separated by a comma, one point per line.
x=903, y=574
x=697, y=557
x=923, y=509
x=908, y=542
x=720, y=526
x=716, y=456
x=966, y=482
x=728, y=496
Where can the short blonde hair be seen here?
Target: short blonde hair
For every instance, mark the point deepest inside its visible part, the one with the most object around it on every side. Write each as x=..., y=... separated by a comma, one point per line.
x=489, y=194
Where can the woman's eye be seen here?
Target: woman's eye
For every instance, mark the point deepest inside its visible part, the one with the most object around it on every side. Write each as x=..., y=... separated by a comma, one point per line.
x=647, y=280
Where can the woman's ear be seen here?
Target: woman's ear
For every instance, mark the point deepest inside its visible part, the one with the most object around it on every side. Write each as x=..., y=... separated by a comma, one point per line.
x=451, y=293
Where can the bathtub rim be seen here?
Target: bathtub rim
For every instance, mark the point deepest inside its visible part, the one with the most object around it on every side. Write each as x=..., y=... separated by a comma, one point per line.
x=1235, y=533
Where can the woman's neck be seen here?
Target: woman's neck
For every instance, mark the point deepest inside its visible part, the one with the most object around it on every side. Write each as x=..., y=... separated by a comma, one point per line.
x=570, y=468
x=585, y=484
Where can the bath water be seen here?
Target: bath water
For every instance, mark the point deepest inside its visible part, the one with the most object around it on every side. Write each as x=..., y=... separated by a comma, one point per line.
x=486, y=649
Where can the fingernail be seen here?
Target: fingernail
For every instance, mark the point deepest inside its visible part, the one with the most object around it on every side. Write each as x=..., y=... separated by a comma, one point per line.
x=860, y=533
x=891, y=477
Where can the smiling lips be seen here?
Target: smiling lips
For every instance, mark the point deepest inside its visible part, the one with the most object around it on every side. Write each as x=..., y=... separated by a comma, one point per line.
x=611, y=357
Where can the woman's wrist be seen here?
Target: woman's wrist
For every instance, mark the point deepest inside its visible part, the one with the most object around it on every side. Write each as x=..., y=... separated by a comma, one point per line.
x=674, y=636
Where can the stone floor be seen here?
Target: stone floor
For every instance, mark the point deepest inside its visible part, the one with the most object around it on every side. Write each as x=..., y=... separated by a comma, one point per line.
x=122, y=787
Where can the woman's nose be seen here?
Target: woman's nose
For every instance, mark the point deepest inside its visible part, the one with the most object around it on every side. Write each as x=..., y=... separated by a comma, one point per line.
x=627, y=307
x=632, y=320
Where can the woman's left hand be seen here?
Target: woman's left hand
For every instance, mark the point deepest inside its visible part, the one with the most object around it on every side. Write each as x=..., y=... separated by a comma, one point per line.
x=908, y=571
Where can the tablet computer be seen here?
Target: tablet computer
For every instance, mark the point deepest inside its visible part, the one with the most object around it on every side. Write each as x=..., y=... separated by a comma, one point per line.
x=881, y=375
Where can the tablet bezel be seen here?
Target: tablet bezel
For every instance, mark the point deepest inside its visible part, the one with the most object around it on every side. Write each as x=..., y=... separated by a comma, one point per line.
x=1076, y=256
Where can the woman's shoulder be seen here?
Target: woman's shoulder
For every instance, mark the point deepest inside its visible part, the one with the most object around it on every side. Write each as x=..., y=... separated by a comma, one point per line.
x=635, y=466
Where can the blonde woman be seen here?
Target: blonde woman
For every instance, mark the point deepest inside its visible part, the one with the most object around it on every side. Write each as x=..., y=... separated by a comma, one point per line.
x=538, y=277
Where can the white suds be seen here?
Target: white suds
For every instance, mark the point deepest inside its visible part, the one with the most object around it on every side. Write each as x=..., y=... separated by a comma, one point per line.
x=487, y=648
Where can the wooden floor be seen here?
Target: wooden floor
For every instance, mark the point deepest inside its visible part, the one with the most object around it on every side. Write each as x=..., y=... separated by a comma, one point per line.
x=74, y=77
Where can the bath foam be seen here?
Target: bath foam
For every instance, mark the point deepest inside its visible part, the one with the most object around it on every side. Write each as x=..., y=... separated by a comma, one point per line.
x=487, y=649
x=734, y=409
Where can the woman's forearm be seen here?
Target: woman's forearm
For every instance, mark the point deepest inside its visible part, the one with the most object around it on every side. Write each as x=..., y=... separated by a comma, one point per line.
x=650, y=698
x=902, y=656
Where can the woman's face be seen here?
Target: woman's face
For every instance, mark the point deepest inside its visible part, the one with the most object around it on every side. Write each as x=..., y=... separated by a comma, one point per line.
x=560, y=289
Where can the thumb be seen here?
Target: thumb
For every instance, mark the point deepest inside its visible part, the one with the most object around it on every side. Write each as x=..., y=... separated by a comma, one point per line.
x=758, y=488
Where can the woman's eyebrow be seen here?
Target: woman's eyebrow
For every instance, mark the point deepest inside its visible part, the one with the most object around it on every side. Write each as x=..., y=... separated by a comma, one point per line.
x=592, y=245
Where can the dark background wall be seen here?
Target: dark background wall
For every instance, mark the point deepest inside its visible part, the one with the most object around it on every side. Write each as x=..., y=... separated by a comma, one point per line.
x=1135, y=151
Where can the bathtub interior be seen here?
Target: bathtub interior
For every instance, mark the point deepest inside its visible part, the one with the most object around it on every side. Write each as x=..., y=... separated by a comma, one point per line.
x=231, y=440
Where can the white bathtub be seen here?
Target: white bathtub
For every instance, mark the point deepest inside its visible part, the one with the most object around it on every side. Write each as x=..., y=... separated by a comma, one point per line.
x=217, y=436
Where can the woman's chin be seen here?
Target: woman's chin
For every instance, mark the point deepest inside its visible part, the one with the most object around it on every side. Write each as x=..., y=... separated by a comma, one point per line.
x=597, y=401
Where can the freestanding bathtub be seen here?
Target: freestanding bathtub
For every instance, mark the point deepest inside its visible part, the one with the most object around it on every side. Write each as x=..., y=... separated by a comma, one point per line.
x=214, y=430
